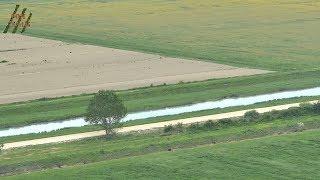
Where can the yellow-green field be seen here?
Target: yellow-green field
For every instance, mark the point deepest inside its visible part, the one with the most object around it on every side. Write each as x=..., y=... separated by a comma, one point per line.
x=268, y=34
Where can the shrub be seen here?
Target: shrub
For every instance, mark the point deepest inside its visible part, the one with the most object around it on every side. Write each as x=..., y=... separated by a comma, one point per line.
x=274, y=114
x=291, y=112
x=209, y=124
x=225, y=122
x=168, y=128
x=179, y=127
x=1, y=146
x=316, y=107
x=298, y=127
x=251, y=116
x=306, y=107
x=267, y=116
x=173, y=128
x=194, y=127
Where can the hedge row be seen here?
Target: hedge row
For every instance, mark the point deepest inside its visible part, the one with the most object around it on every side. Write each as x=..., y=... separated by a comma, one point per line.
x=249, y=117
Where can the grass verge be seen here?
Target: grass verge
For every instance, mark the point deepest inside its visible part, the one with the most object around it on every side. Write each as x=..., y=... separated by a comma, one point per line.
x=291, y=156
x=88, y=128
x=45, y=110
x=98, y=149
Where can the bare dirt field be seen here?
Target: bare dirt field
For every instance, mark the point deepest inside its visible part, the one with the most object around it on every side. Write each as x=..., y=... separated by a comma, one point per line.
x=39, y=68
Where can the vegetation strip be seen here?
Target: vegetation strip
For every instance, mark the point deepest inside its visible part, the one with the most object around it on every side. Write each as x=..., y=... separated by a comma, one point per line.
x=90, y=128
x=234, y=38
x=252, y=125
x=276, y=157
x=147, y=126
x=46, y=110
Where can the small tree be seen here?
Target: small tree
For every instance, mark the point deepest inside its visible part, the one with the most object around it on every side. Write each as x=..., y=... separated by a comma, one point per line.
x=106, y=109
x=316, y=107
x=250, y=116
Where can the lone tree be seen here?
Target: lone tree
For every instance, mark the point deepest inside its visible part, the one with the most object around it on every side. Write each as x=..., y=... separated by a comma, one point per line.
x=106, y=109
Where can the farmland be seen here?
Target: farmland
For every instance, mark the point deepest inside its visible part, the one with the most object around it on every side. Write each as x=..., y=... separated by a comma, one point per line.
x=45, y=110
x=37, y=67
x=279, y=40
x=264, y=34
x=269, y=35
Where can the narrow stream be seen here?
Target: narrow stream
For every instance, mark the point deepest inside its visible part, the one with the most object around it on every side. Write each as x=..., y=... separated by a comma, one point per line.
x=230, y=102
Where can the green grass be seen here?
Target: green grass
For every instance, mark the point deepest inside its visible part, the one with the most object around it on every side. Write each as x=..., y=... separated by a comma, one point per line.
x=67, y=131
x=274, y=35
x=98, y=149
x=277, y=36
x=291, y=156
x=19, y=114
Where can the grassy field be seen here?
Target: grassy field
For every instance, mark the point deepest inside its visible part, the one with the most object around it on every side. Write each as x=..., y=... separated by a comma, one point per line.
x=280, y=36
x=156, y=97
x=238, y=39
x=277, y=36
x=98, y=149
x=292, y=156
x=266, y=34
x=67, y=131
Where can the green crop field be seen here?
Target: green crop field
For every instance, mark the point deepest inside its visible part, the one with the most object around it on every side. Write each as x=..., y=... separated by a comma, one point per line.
x=268, y=34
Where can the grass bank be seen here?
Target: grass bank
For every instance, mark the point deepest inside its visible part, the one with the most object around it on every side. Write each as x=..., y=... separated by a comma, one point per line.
x=45, y=110
x=99, y=149
x=292, y=156
x=67, y=131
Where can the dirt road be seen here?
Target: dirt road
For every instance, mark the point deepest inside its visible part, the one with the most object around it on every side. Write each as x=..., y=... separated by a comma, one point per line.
x=143, y=127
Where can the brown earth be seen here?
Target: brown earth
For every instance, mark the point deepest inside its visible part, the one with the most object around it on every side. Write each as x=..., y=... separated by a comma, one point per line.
x=39, y=68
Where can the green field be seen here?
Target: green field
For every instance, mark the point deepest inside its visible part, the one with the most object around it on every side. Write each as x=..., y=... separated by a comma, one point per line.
x=156, y=97
x=293, y=156
x=99, y=149
x=280, y=36
x=267, y=34
x=277, y=36
x=88, y=128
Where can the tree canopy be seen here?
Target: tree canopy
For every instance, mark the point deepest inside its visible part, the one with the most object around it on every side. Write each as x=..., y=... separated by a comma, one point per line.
x=106, y=109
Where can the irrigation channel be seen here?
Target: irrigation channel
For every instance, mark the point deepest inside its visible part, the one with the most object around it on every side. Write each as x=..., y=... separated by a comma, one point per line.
x=229, y=102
